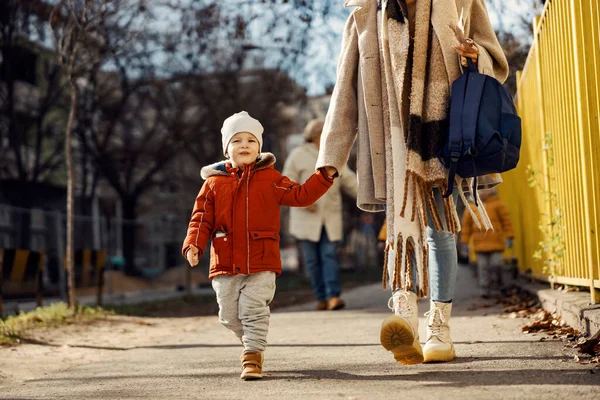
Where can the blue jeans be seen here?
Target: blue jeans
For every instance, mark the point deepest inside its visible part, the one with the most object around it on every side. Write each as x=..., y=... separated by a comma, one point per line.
x=442, y=257
x=320, y=259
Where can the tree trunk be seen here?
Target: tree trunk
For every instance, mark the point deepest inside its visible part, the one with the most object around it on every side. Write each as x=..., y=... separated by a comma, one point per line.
x=129, y=234
x=70, y=253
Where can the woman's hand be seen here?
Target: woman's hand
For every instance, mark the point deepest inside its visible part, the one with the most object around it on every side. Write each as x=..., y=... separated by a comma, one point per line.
x=467, y=49
x=192, y=255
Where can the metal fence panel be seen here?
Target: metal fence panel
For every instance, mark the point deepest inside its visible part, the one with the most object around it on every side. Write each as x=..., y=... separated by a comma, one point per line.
x=558, y=99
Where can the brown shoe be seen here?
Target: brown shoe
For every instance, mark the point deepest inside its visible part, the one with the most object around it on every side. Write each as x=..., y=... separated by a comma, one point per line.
x=335, y=303
x=321, y=305
x=251, y=366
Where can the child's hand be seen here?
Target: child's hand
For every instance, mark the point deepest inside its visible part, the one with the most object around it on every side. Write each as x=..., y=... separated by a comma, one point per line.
x=330, y=172
x=192, y=255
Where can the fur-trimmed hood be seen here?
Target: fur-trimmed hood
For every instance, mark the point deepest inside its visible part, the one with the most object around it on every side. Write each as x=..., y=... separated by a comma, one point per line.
x=221, y=168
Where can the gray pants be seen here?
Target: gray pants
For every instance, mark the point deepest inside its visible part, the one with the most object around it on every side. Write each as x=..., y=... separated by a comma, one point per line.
x=489, y=270
x=244, y=306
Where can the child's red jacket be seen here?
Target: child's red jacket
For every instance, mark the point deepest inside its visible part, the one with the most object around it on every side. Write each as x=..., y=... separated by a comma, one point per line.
x=241, y=215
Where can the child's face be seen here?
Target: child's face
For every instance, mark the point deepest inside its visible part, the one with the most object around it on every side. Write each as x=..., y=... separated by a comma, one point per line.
x=484, y=194
x=243, y=149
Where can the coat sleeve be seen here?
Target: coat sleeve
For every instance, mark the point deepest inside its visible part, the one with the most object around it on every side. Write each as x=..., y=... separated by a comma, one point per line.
x=202, y=220
x=339, y=131
x=349, y=182
x=505, y=221
x=467, y=227
x=293, y=194
x=492, y=60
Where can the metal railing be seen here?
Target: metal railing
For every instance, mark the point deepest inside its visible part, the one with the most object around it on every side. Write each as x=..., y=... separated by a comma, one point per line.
x=559, y=103
x=157, y=246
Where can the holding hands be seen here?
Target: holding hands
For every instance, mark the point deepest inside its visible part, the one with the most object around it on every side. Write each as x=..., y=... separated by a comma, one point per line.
x=330, y=172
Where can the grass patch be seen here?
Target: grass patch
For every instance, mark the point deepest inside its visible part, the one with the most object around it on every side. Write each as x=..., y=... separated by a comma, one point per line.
x=14, y=329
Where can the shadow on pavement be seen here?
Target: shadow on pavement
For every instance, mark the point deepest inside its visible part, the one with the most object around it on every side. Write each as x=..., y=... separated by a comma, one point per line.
x=434, y=378
x=454, y=378
x=349, y=345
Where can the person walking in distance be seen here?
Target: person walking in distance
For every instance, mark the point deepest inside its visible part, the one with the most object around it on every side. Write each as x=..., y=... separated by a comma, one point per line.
x=318, y=227
x=489, y=246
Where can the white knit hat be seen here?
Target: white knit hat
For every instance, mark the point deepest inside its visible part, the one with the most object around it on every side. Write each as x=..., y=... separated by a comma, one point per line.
x=241, y=122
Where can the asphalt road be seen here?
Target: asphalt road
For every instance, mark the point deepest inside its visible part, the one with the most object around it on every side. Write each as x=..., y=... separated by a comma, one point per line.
x=335, y=355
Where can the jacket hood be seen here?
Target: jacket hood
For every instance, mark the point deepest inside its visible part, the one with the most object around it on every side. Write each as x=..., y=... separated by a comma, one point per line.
x=220, y=168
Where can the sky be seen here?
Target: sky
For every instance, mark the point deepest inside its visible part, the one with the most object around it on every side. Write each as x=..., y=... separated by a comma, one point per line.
x=503, y=17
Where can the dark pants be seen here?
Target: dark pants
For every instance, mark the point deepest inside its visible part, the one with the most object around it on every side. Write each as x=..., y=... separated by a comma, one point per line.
x=321, y=261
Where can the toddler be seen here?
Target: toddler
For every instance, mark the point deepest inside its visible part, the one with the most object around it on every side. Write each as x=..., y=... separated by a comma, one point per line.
x=238, y=210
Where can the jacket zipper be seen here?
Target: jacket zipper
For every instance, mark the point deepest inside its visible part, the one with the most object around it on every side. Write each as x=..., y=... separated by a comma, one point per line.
x=233, y=218
x=238, y=179
x=247, y=231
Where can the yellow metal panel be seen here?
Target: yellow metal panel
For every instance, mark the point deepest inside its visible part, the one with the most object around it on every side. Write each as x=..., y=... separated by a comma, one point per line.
x=100, y=258
x=19, y=265
x=559, y=93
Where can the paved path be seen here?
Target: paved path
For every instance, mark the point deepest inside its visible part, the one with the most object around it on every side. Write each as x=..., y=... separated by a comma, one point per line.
x=335, y=355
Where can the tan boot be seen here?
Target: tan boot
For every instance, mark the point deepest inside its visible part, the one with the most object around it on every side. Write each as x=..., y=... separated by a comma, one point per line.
x=438, y=347
x=251, y=366
x=321, y=305
x=335, y=303
x=400, y=332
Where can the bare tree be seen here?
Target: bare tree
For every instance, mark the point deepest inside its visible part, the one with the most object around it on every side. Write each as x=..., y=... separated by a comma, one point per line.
x=73, y=23
x=515, y=32
x=151, y=90
x=32, y=105
x=142, y=114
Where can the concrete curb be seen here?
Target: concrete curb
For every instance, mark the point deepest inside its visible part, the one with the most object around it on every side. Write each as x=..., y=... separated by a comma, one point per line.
x=573, y=307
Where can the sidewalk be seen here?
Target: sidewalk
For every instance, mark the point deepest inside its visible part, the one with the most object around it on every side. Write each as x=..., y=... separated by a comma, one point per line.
x=329, y=355
x=573, y=307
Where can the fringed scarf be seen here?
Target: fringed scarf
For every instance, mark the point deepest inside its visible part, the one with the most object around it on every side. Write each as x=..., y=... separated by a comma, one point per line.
x=415, y=109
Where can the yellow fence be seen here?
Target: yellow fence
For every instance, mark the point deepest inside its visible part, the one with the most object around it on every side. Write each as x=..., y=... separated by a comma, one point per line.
x=559, y=102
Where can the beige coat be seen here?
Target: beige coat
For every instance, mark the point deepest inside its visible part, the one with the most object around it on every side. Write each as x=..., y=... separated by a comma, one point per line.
x=307, y=225
x=356, y=109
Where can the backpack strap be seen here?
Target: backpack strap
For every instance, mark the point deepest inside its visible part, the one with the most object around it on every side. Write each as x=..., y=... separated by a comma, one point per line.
x=473, y=95
x=455, y=135
x=465, y=99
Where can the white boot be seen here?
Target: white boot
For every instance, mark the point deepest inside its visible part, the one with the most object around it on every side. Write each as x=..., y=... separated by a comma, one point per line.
x=400, y=332
x=439, y=345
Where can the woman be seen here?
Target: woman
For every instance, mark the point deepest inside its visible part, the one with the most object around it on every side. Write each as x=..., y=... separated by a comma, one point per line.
x=398, y=60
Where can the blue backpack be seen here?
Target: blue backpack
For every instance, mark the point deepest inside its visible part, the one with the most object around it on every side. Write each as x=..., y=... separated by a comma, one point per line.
x=485, y=131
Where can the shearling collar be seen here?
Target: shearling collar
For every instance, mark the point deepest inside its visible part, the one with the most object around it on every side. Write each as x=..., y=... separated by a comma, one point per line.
x=220, y=168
